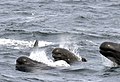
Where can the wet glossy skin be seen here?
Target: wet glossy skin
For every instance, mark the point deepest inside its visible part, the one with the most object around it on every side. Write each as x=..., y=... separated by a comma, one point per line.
x=66, y=55
x=111, y=51
x=26, y=64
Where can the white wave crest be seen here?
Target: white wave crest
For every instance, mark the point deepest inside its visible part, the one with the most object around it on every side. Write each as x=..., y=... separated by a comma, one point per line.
x=19, y=44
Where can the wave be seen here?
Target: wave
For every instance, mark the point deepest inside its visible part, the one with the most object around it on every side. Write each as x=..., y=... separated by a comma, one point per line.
x=38, y=31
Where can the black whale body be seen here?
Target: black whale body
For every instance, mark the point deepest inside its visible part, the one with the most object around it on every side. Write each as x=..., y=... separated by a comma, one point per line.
x=26, y=64
x=66, y=55
x=111, y=51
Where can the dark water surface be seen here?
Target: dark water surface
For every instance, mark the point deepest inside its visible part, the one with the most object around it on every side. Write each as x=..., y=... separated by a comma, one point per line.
x=81, y=24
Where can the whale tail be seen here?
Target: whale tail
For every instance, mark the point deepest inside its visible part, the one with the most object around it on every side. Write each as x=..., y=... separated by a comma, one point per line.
x=35, y=44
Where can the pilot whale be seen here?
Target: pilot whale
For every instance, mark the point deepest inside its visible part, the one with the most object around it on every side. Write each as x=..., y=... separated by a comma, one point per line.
x=111, y=51
x=27, y=64
x=66, y=55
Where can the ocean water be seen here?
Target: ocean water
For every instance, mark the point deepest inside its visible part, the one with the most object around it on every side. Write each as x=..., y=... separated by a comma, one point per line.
x=78, y=25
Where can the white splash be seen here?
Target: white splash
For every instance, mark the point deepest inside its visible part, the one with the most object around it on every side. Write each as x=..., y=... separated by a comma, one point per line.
x=20, y=44
x=40, y=56
x=71, y=48
x=69, y=45
x=107, y=62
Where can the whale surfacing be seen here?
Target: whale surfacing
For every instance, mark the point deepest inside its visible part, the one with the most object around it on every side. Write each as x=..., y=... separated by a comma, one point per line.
x=111, y=51
x=62, y=58
x=66, y=55
x=26, y=64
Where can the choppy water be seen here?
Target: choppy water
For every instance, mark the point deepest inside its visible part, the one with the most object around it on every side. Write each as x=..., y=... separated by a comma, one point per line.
x=79, y=25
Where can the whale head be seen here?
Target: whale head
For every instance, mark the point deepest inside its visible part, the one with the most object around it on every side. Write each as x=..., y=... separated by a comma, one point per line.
x=111, y=51
x=25, y=64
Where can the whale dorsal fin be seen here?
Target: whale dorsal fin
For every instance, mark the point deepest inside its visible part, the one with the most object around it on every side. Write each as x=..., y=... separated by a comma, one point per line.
x=35, y=44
